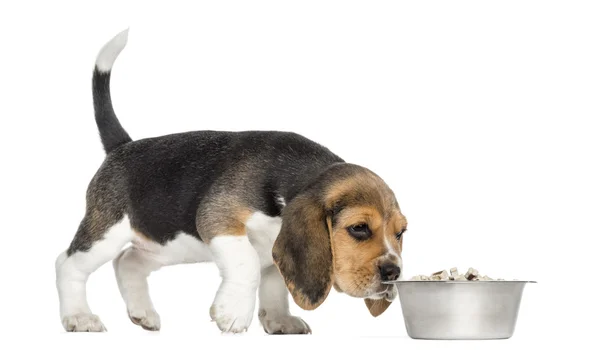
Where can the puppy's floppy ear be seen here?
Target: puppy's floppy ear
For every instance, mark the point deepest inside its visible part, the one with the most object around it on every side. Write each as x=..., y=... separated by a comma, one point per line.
x=302, y=251
x=377, y=306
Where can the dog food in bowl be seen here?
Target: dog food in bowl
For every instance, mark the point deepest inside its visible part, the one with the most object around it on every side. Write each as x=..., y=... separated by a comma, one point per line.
x=471, y=275
x=448, y=304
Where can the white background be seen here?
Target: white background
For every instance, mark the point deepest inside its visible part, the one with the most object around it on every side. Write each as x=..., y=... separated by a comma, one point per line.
x=482, y=117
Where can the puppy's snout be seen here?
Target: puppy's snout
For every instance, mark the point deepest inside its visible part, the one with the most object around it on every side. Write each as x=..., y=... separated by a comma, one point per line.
x=389, y=272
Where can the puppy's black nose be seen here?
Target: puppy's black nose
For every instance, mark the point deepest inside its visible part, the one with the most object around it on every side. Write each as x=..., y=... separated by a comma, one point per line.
x=389, y=272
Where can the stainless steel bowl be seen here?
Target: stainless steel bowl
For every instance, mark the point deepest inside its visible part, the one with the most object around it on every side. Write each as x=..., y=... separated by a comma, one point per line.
x=460, y=309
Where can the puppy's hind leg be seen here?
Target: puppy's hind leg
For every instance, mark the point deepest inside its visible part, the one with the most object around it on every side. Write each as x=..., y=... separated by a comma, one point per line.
x=99, y=239
x=132, y=268
x=135, y=264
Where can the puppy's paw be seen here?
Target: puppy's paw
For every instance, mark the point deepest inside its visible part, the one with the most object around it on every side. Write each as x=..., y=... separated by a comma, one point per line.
x=283, y=324
x=147, y=319
x=83, y=323
x=233, y=314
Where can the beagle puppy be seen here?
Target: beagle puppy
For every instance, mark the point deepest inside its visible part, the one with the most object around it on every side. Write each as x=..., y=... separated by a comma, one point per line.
x=277, y=213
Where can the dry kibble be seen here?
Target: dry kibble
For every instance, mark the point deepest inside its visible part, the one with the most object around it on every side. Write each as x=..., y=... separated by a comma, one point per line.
x=453, y=273
x=472, y=274
x=420, y=278
x=440, y=276
x=443, y=275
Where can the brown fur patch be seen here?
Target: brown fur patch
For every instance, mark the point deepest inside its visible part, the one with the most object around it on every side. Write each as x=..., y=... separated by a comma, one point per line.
x=233, y=224
x=341, y=187
x=396, y=224
x=377, y=306
x=236, y=225
x=354, y=262
x=302, y=252
x=301, y=299
x=224, y=215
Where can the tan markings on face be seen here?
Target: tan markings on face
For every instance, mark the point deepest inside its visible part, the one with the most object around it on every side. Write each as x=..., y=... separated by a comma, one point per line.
x=395, y=225
x=341, y=187
x=400, y=224
x=356, y=263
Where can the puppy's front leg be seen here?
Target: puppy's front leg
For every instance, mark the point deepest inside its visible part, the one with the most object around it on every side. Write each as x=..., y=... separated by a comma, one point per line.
x=274, y=310
x=239, y=266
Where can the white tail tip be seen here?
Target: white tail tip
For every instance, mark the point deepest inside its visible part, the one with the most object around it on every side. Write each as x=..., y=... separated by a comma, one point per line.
x=111, y=50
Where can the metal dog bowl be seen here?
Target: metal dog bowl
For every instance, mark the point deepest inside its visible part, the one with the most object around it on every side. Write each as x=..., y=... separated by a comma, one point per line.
x=460, y=309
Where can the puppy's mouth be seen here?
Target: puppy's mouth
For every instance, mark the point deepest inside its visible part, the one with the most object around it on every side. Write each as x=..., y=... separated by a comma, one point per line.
x=366, y=285
x=390, y=293
x=384, y=291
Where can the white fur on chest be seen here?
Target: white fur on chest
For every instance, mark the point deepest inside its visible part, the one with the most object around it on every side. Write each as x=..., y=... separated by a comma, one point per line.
x=262, y=231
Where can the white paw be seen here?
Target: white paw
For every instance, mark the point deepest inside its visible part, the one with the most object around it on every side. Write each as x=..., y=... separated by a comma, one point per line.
x=283, y=324
x=83, y=323
x=233, y=315
x=147, y=319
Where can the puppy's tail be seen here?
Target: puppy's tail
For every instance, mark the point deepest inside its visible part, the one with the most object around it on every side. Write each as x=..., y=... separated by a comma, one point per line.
x=112, y=133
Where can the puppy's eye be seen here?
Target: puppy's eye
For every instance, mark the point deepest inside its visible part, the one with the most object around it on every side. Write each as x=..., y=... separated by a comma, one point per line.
x=399, y=234
x=360, y=231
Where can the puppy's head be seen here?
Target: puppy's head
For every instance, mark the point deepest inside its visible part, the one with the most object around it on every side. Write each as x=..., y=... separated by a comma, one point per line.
x=345, y=230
